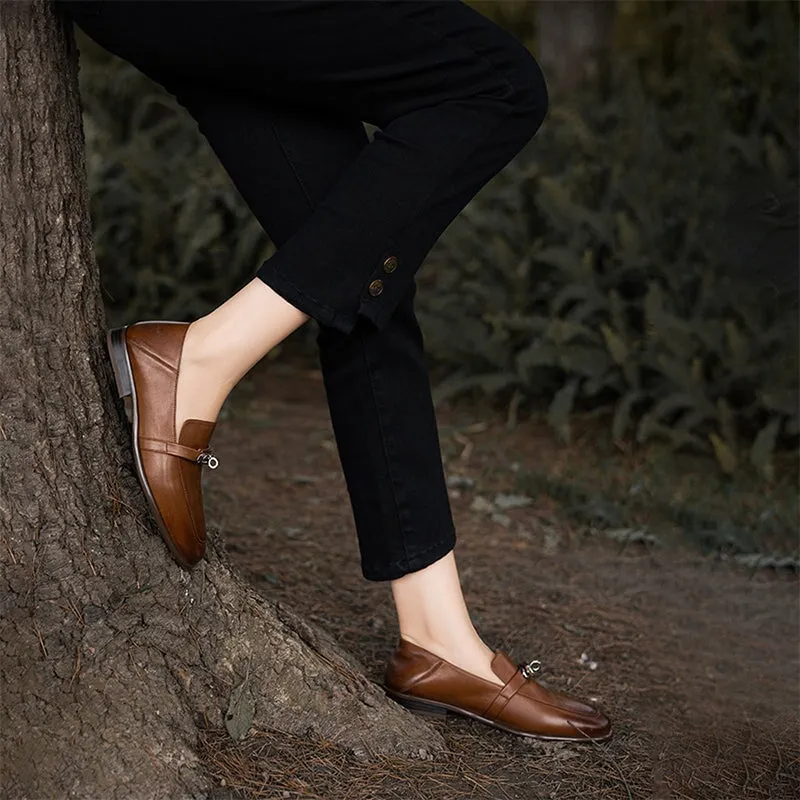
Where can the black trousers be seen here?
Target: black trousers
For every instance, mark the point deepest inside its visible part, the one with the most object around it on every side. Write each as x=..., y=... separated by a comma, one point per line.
x=280, y=90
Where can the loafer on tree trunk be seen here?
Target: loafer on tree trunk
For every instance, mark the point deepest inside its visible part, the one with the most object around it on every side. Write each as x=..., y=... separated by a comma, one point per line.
x=146, y=357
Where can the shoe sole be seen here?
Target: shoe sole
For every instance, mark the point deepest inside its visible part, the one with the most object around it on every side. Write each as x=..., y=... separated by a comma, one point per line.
x=433, y=708
x=126, y=389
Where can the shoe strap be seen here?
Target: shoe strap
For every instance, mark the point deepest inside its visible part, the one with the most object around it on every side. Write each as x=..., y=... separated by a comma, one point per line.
x=501, y=699
x=175, y=449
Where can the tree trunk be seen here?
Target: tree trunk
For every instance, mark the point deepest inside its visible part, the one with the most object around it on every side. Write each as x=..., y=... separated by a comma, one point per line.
x=110, y=653
x=574, y=37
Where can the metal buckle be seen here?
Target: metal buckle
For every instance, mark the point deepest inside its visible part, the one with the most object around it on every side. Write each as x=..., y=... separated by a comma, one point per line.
x=530, y=669
x=209, y=459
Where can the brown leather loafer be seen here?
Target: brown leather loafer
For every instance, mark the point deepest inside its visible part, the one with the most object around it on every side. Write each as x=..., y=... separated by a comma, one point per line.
x=426, y=683
x=145, y=358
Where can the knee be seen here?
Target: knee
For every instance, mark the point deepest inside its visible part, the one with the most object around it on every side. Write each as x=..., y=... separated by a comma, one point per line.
x=530, y=88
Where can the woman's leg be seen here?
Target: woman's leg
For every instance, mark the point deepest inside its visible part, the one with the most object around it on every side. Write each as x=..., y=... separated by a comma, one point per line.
x=457, y=99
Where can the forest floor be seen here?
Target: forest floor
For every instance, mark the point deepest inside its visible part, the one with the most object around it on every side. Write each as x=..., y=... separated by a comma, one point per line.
x=621, y=575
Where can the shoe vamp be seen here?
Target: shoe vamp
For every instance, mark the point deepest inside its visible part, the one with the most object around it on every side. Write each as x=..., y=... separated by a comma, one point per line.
x=534, y=691
x=451, y=687
x=175, y=485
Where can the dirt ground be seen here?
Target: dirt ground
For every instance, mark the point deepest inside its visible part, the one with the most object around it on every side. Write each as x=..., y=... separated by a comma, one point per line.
x=694, y=659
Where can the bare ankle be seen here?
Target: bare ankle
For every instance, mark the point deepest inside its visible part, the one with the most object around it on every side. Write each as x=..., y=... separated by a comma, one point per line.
x=469, y=653
x=202, y=382
x=197, y=351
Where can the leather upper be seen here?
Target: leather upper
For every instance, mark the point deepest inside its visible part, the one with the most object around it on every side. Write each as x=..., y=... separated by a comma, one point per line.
x=172, y=474
x=521, y=703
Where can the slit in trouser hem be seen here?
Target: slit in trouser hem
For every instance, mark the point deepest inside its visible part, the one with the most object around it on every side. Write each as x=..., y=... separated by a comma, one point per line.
x=323, y=314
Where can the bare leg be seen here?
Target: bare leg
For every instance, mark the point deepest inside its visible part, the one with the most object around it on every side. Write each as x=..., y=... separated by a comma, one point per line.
x=432, y=614
x=221, y=347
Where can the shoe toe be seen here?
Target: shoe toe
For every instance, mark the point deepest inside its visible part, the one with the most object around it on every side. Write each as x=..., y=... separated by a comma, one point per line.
x=538, y=709
x=174, y=484
x=595, y=726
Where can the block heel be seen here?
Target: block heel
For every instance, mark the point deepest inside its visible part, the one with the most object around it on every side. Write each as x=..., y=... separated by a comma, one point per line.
x=115, y=342
x=417, y=705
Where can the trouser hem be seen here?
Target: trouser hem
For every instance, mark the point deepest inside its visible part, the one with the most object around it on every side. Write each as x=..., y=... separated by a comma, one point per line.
x=420, y=560
x=304, y=302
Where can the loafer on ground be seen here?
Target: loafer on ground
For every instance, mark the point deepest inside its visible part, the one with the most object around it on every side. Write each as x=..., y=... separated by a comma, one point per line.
x=428, y=684
x=146, y=357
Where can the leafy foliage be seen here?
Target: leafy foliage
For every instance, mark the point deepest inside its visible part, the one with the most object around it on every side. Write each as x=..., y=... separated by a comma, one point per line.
x=640, y=258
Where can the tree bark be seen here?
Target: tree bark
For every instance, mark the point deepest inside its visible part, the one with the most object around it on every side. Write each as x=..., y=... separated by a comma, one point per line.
x=110, y=653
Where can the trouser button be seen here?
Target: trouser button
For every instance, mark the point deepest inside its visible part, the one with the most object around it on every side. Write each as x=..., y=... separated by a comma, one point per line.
x=375, y=288
x=390, y=264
